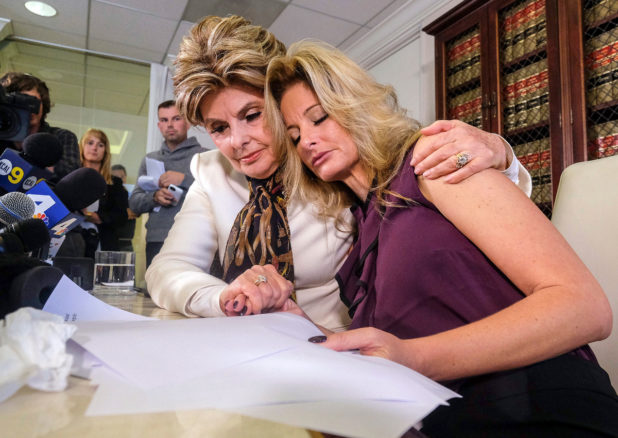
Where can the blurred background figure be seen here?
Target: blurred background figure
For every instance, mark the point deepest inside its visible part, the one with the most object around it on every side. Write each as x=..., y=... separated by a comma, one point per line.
x=110, y=215
x=17, y=82
x=126, y=232
x=175, y=153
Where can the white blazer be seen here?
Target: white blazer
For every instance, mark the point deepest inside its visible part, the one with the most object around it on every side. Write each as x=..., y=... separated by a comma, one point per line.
x=178, y=278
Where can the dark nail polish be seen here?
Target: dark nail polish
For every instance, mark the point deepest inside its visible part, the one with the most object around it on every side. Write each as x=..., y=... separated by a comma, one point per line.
x=243, y=311
x=235, y=305
x=317, y=339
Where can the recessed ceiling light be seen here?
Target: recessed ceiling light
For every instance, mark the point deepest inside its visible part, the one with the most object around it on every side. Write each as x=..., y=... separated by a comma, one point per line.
x=40, y=8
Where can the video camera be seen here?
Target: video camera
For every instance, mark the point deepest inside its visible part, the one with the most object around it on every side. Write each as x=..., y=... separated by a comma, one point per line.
x=15, y=110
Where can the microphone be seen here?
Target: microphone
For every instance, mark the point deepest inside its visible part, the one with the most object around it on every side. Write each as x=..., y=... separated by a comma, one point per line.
x=41, y=149
x=15, y=207
x=32, y=233
x=10, y=244
x=30, y=283
x=80, y=188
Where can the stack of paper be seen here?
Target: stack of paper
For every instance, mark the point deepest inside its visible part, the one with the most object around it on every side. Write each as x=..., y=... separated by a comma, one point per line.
x=261, y=366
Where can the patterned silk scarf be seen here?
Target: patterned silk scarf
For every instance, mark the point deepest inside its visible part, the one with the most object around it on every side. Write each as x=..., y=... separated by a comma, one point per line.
x=260, y=234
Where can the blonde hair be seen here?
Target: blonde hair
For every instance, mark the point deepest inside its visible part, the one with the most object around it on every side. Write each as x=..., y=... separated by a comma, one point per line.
x=217, y=53
x=366, y=109
x=106, y=167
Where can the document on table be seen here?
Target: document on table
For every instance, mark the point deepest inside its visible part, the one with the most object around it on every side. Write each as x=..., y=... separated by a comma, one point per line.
x=260, y=365
x=75, y=304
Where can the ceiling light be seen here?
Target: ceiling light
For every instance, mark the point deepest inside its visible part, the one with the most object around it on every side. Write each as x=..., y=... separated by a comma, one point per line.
x=40, y=8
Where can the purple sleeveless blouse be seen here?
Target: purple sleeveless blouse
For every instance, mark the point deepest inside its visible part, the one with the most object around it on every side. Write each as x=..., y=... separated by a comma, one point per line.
x=412, y=273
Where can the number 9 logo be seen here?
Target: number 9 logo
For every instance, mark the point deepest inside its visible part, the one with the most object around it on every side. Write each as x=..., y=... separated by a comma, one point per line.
x=17, y=173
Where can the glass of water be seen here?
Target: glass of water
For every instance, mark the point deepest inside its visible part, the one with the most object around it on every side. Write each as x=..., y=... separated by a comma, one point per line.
x=114, y=272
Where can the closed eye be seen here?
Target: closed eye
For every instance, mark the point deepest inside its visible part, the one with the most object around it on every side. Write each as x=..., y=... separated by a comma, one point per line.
x=294, y=134
x=216, y=129
x=253, y=116
x=321, y=119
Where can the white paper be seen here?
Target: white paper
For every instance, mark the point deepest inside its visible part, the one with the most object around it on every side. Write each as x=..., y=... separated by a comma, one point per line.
x=309, y=373
x=158, y=353
x=298, y=383
x=148, y=183
x=154, y=168
x=75, y=304
x=348, y=417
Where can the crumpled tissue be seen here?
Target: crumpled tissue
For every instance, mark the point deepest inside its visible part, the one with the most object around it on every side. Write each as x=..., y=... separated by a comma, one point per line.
x=33, y=351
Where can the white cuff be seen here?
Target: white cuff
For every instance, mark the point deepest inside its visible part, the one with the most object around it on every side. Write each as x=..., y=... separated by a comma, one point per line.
x=205, y=302
x=511, y=172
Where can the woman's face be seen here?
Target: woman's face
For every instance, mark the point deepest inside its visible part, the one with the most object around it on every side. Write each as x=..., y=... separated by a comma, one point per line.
x=234, y=118
x=94, y=150
x=321, y=142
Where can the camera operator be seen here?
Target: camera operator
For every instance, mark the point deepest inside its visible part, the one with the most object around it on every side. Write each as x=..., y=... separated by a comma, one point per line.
x=16, y=82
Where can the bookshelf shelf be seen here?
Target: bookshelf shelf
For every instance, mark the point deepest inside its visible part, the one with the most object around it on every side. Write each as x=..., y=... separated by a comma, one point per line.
x=526, y=59
x=530, y=131
x=548, y=79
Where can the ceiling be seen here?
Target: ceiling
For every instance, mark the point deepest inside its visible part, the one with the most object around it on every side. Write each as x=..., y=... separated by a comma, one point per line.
x=144, y=31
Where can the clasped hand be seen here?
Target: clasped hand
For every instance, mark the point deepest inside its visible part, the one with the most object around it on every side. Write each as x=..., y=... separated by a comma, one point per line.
x=260, y=289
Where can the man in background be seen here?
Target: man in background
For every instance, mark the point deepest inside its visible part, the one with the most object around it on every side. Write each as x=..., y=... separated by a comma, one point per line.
x=175, y=153
x=16, y=82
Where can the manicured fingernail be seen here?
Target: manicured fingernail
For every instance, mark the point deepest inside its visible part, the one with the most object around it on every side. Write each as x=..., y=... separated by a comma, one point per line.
x=243, y=311
x=317, y=339
x=235, y=305
x=428, y=174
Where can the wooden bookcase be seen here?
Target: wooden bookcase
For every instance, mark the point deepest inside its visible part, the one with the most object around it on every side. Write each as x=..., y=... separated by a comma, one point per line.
x=542, y=73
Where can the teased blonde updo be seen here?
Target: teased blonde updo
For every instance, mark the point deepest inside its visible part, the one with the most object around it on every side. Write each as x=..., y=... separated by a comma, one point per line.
x=217, y=53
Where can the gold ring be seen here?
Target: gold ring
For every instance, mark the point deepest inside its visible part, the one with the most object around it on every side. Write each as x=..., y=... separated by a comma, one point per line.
x=260, y=279
x=461, y=159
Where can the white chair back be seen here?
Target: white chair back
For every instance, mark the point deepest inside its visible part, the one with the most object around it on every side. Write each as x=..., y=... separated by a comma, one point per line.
x=586, y=213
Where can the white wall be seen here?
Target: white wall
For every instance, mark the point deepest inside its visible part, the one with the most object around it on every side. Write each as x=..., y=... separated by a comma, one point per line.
x=401, y=71
x=398, y=53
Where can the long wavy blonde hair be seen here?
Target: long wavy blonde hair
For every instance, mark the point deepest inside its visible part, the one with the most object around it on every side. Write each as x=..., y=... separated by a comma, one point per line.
x=106, y=164
x=368, y=110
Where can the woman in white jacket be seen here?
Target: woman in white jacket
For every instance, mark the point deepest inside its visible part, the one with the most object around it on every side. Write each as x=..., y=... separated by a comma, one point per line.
x=219, y=83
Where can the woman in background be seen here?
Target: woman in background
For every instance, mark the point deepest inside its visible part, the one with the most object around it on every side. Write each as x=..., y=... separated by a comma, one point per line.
x=468, y=283
x=111, y=213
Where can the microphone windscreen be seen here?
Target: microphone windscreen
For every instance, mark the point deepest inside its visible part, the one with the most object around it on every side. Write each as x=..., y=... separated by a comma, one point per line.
x=11, y=244
x=32, y=288
x=15, y=207
x=42, y=149
x=32, y=232
x=80, y=188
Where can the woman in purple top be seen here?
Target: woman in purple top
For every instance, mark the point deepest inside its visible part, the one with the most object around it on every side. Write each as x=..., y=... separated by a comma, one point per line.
x=435, y=280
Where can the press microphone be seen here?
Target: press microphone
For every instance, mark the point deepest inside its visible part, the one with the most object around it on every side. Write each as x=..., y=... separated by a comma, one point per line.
x=80, y=188
x=41, y=149
x=15, y=207
x=26, y=282
x=10, y=244
x=32, y=233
